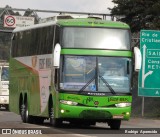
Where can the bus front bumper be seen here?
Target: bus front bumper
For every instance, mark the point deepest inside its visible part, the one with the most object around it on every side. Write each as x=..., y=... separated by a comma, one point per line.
x=94, y=113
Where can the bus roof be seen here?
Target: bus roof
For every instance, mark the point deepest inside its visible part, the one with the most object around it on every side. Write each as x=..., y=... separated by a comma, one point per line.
x=85, y=22
x=92, y=23
x=18, y=29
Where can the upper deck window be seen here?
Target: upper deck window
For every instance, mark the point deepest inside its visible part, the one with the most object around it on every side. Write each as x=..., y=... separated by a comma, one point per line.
x=98, y=38
x=5, y=74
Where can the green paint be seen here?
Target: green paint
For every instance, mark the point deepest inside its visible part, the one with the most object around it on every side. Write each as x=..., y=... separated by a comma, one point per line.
x=25, y=80
x=105, y=108
x=92, y=23
x=104, y=101
x=96, y=52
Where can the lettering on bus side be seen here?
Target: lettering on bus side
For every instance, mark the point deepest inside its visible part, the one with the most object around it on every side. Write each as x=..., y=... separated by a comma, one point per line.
x=45, y=63
x=73, y=98
x=95, y=22
x=41, y=63
x=48, y=63
x=91, y=100
x=116, y=99
x=87, y=100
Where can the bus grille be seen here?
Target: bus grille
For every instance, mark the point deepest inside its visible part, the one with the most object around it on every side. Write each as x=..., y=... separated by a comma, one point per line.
x=93, y=114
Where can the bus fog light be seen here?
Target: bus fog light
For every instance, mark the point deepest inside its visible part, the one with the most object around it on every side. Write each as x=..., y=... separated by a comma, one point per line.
x=121, y=105
x=127, y=113
x=62, y=111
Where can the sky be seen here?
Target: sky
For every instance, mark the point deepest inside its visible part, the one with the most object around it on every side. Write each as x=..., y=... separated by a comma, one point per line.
x=94, y=6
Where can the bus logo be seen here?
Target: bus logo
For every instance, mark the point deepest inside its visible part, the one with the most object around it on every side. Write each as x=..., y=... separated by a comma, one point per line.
x=96, y=103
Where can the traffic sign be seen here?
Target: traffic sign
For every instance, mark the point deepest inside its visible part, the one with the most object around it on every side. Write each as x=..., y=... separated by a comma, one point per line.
x=149, y=75
x=11, y=21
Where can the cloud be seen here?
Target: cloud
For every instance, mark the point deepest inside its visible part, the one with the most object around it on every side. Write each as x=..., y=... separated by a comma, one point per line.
x=82, y=5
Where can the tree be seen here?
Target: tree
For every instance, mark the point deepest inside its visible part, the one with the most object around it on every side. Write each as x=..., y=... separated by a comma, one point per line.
x=31, y=13
x=139, y=14
x=5, y=38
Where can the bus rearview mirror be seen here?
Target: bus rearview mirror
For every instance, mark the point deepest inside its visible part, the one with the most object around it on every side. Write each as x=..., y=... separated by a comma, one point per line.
x=56, y=55
x=138, y=59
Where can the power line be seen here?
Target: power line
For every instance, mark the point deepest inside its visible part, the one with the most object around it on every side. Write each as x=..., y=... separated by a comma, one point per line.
x=61, y=12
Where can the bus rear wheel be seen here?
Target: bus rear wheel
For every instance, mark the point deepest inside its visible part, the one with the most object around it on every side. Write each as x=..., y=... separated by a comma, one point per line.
x=115, y=124
x=26, y=118
x=38, y=120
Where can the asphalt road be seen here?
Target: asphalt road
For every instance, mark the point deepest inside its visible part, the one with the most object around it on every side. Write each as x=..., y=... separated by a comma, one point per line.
x=13, y=123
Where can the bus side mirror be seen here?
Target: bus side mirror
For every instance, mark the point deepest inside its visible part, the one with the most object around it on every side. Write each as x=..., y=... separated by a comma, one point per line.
x=138, y=59
x=56, y=55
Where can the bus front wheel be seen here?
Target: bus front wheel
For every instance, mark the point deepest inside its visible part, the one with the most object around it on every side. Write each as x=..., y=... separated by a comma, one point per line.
x=115, y=124
x=54, y=121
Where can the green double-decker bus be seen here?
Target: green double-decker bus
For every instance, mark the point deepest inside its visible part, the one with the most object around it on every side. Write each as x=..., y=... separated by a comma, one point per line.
x=76, y=70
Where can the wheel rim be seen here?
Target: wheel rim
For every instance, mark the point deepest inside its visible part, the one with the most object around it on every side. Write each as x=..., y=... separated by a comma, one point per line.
x=52, y=113
x=23, y=112
x=26, y=114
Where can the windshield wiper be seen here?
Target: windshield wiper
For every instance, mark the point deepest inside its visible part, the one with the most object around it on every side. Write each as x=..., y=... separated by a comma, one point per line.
x=86, y=85
x=110, y=88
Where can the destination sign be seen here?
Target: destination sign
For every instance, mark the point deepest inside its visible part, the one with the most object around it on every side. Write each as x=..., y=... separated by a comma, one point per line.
x=149, y=75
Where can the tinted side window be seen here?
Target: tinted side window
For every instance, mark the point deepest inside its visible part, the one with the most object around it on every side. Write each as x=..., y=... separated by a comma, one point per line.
x=33, y=42
x=46, y=40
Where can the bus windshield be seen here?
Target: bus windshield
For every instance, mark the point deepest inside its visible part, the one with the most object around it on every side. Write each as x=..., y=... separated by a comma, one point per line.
x=5, y=74
x=101, y=38
x=96, y=74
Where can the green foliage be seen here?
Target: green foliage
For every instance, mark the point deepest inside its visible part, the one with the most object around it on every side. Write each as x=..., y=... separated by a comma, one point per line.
x=5, y=42
x=5, y=38
x=139, y=14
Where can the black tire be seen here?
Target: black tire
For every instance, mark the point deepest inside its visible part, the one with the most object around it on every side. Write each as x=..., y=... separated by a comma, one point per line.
x=26, y=118
x=54, y=121
x=38, y=120
x=88, y=123
x=7, y=107
x=115, y=124
x=92, y=123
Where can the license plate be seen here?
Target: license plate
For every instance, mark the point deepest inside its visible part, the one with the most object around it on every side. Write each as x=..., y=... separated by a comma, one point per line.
x=118, y=116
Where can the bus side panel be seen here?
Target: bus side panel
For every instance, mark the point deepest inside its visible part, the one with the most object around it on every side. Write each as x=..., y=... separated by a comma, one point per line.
x=14, y=86
x=33, y=76
x=34, y=102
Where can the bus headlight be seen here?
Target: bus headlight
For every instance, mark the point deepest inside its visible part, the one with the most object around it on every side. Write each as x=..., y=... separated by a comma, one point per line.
x=121, y=105
x=68, y=102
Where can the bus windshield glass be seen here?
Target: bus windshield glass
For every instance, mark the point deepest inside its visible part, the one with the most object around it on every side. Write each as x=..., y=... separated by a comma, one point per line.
x=101, y=38
x=5, y=74
x=96, y=74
